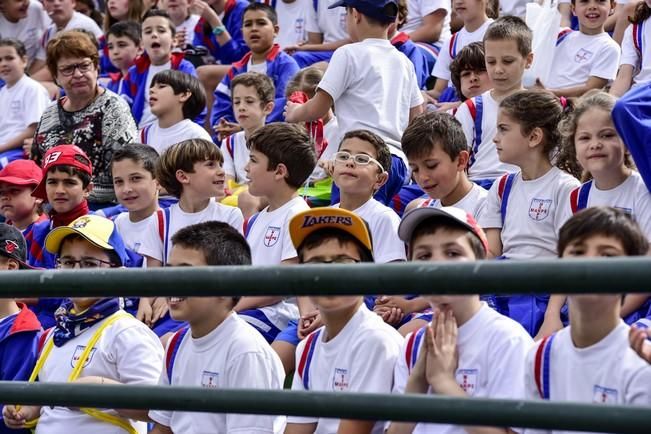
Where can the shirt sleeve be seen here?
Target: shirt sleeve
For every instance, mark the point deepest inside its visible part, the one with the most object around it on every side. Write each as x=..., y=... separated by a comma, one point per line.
x=152, y=245
x=429, y=6
x=288, y=250
x=442, y=66
x=335, y=81
x=312, y=24
x=163, y=417
x=607, y=62
x=562, y=202
x=492, y=216
x=643, y=211
x=138, y=355
x=416, y=95
x=229, y=165
x=630, y=56
x=297, y=384
x=530, y=390
x=400, y=371
x=467, y=123
x=252, y=370
x=506, y=373
x=236, y=219
x=638, y=392
x=38, y=100
x=388, y=246
x=372, y=369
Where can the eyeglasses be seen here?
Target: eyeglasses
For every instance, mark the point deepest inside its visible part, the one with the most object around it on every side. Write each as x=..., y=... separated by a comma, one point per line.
x=69, y=70
x=336, y=260
x=69, y=263
x=359, y=159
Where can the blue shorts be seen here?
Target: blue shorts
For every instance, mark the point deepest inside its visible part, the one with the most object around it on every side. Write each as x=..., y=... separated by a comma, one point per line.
x=11, y=155
x=290, y=333
x=259, y=321
x=308, y=58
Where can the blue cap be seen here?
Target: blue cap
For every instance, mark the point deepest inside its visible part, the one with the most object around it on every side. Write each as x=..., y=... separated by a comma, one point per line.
x=371, y=8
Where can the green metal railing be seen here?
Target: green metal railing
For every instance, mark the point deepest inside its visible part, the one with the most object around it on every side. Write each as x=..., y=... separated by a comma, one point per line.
x=506, y=277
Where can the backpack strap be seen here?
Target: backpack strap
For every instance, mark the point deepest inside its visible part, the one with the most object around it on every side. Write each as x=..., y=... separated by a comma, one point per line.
x=248, y=224
x=579, y=197
x=503, y=192
x=172, y=349
x=144, y=134
x=303, y=370
x=454, y=39
x=163, y=216
x=413, y=347
x=562, y=35
x=638, y=31
x=476, y=109
x=542, y=364
x=230, y=146
x=42, y=339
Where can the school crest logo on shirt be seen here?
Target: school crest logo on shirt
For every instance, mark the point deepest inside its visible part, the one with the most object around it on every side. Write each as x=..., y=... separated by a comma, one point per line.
x=78, y=353
x=583, y=55
x=340, y=380
x=539, y=209
x=604, y=395
x=468, y=379
x=271, y=236
x=299, y=26
x=209, y=379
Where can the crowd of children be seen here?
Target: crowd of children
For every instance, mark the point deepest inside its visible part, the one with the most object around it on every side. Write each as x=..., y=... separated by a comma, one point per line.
x=193, y=133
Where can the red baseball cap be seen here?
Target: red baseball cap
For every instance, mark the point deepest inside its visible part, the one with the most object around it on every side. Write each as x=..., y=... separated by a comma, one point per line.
x=62, y=155
x=21, y=172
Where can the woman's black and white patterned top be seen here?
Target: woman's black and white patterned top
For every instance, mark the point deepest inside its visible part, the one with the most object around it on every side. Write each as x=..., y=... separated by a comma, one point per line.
x=99, y=129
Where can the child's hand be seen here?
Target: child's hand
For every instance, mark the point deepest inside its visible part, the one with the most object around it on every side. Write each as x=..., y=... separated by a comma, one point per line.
x=291, y=49
x=308, y=323
x=290, y=112
x=389, y=314
x=145, y=311
x=637, y=337
x=442, y=356
x=16, y=419
x=27, y=147
x=179, y=39
x=393, y=301
x=159, y=309
x=328, y=166
x=203, y=9
x=225, y=128
x=447, y=106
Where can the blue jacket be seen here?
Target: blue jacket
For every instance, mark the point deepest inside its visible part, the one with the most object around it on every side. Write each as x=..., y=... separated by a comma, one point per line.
x=19, y=336
x=632, y=118
x=281, y=67
x=405, y=45
x=134, y=90
x=236, y=47
x=37, y=255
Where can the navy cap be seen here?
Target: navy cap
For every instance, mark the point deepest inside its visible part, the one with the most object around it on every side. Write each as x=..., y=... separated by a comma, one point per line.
x=13, y=245
x=371, y=8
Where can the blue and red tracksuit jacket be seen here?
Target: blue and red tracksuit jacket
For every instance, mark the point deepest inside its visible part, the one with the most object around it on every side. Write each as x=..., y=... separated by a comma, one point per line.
x=281, y=67
x=105, y=65
x=19, y=335
x=236, y=47
x=406, y=46
x=134, y=90
x=115, y=80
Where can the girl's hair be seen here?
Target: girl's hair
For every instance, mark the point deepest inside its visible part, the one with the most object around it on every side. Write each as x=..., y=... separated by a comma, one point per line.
x=537, y=109
x=95, y=15
x=18, y=46
x=134, y=13
x=306, y=80
x=493, y=9
x=567, y=157
x=642, y=12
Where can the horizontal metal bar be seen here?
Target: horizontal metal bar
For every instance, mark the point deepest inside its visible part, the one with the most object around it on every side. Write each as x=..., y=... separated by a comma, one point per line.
x=423, y=408
x=481, y=277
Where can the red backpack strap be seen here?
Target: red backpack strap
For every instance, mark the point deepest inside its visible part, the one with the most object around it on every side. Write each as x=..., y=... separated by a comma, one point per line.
x=161, y=224
x=42, y=339
x=542, y=364
x=574, y=200
x=172, y=349
x=248, y=224
x=562, y=35
x=471, y=108
x=413, y=346
x=305, y=360
x=501, y=185
x=453, y=45
x=230, y=146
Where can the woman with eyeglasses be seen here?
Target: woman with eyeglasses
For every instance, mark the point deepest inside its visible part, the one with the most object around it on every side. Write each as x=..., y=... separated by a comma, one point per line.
x=89, y=116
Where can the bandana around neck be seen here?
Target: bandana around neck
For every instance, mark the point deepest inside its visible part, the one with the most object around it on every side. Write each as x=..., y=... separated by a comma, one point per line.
x=71, y=324
x=64, y=219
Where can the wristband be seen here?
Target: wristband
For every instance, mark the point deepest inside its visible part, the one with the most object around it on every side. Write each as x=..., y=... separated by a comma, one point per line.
x=218, y=30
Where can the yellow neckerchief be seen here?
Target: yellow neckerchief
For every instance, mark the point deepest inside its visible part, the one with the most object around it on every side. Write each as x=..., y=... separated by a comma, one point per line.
x=104, y=417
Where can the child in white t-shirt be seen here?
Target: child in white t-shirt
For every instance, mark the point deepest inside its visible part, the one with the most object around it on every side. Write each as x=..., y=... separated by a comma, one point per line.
x=192, y=171
x=592, y=141
x=438, y=157
x=281, y=159
x=524, y=209
x=293, y=17
x=468, y=349
x=507, y=46
x=23, y=100
x=475, y=23
x=218, y=350
x=428, y=21
x=94, y=341
x=586, y=59
x=635, y=63
x=590, y=361
x=354, y=351
x=175, y=98
x=185, y=22
x=25, y=22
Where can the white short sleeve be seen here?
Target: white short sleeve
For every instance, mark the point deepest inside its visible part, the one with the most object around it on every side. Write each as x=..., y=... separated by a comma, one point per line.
x=228, y=165
x=400, y=371
x=606, y=64
x=152, y=245
x=630, y=55
x=442, y=66
x=312, y=24
x=138, y=355
x=38, y=101
x=467, y=123
x=378, y=376
x=335, y=80
x=492, y=217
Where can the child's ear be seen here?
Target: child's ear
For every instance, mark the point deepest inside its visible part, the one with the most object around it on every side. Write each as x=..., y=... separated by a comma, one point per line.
x=88, y=189
x=182, y=177
x=184, y=96
x=268, y=108
x=382, y=178
x=529, y=60
x=536, y=137
x=281, y=171
x=462, y=160
x=276, y=29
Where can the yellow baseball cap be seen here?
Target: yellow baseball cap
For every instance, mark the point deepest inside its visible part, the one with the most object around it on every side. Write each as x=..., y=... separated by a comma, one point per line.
x=306, y=222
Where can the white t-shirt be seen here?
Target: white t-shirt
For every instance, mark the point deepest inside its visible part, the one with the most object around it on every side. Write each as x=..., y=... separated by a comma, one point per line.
x=78, y=21
x=232, y=356
x=188, y=25
x=442, y=67
x=359, y=359
x=373, y=87
x=133, y=233
x=580, y=56
x=147, y=116
x=417, y=9
x=492, y=349
x=383, y=223
x=513, y=7
x=161, y=138
x=331, y=134
x=533, y=214
x=153, y=246
x=631, y=196
x=268, y=234
x=486, y=164
x=236, y=156
x=630, y=55
x=128, y=352
x=608, y=372
x=330, y=22
x=260, y=68
x=29, y=30
x=292, y=21
x=22, y=104
x=473, y=203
